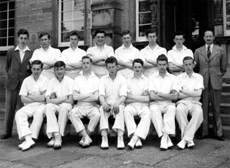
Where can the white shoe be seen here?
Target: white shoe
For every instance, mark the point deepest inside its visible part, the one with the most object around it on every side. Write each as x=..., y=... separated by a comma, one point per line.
x=51, y=143
x=104, y=142
x=87, y=141
x=120, y=142
x=138, y=143
x=132, y=142
x=28, y=145
x=190, y=144
x=164, y=145
x=169, y=142
x=58, y=141
x=22, y=144
x=182, y=144
x=81, y=141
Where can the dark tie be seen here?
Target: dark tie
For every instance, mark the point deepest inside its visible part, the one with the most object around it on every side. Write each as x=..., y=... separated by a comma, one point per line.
x=208, y=52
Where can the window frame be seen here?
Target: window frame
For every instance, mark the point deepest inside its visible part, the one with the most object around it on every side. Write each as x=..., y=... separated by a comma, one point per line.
x=65, y=44
x=5, y=48
x=226, y=32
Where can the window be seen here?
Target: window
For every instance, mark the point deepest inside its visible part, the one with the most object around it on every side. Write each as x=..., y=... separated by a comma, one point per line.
x=144, y=18
x=7, y=24
x=71, y=17
x=226, y=17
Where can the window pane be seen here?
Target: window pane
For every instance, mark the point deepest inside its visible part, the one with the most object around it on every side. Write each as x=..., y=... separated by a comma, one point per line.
x=3, y=6
x=142, y=30
x=11, y=23
x=11, y=41
x=66, y=26
x=11, y=14
x=144, y=18
x=65, y=37
x=78, y=15
x=12, y=5
x=3, y=24
x=11, y=32
x=3, y=15
x=67, y=16
x=3, y=42
x=78, y=25
x=67, y=6
x=144, y=6
x=3, y=33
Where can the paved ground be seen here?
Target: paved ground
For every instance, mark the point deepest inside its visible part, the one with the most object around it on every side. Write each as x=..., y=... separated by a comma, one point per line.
x=208, y=153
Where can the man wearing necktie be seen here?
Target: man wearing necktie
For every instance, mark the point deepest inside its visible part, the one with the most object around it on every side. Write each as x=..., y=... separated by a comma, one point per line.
x=211, y=63
x=17, y=69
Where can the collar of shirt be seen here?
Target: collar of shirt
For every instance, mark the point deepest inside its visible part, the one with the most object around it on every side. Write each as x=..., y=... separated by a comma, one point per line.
x=91, y=75
x=47, y=48
x=102, y=47
x=123, y=46
x=72, y=48
x=187, y=76
x=155, y=48
x=142, y=77
x=183, y=48
x=167, y=74
x=22, y=50
x=211, y=47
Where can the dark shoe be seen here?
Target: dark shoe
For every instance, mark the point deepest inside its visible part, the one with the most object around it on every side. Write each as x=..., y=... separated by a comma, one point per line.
x=202, y=137
x=5, y=136
x=220, y=138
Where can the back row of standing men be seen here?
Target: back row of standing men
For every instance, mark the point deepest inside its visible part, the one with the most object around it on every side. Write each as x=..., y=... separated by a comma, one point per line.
x=210, y=60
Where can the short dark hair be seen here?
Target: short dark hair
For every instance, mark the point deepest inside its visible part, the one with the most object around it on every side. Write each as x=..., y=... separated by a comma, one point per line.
x=87, y=57
x=74, y=33
x=188, y=58
x=37, y=62
x=44, y=34
x=99, y=31
x=111, y=60
x=147, y=32
x=162, y=57
x=59, y=64
x=179, y=33
x=125, y=32
x=23, y=31
x=138, y=60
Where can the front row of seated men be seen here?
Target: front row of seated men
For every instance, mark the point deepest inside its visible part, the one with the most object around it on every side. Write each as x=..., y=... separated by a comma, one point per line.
x=150, y=99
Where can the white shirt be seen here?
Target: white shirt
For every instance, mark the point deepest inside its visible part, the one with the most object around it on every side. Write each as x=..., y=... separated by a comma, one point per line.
x=32, y=87
x=211, y=47
x=22, y=52
x=96, y=51
x=51, y=54
x=193, y=83
x=137, y=86
x=176, y=57
x=63, y=88
x=151, y=54
x=71, y=56
x=164, y=85
x=126, y=54
x=112, y=90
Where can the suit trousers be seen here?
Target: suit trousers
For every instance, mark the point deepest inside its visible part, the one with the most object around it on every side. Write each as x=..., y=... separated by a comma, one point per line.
x=119, y=119
x=80, y=111
x=189, y=128
x=21, y=117
x=12, y=100
x=142, y=129
x=163, y=118
x=54, y=125
x=213, y=96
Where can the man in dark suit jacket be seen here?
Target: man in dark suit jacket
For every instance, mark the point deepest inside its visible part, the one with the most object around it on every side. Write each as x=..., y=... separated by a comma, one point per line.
x=17, y=69
x=212, y=64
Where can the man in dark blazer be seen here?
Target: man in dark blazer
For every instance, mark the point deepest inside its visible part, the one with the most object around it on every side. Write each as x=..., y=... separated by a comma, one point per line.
x=211, y=63
x=17, y=69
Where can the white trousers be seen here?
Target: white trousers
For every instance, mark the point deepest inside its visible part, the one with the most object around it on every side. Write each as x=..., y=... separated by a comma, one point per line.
x=21, y=117
x=54, y=125
x=142, y=129
x=163, y=118
x=119, y=119
x=80, y=111
x=189, y=128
